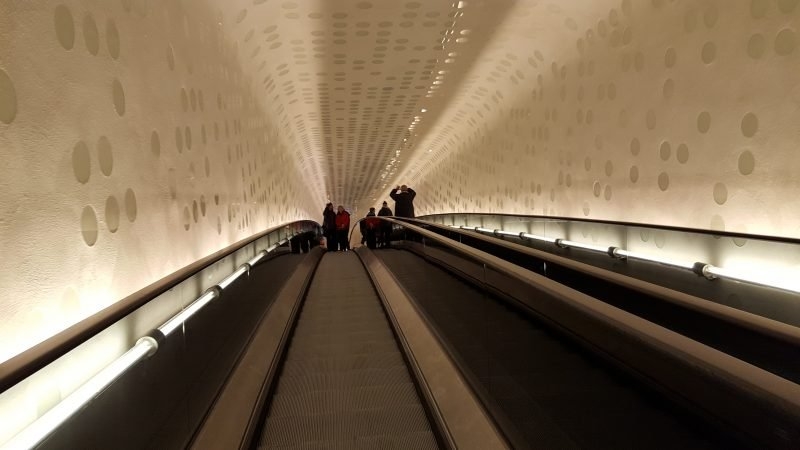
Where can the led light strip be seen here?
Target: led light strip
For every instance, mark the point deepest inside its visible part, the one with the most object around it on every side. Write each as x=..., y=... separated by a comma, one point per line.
x=508, y=233
x=147, y=346
x=622, y=254
x=179, y=319
x=35, y=433
x=708, y=271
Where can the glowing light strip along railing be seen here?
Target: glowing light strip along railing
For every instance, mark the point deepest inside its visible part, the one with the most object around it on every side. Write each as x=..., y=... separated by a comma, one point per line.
x=708, y=271
x=36, y=432
x=147, y=346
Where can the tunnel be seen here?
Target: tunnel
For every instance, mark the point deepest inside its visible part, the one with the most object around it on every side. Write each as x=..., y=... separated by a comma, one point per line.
x=602, y=250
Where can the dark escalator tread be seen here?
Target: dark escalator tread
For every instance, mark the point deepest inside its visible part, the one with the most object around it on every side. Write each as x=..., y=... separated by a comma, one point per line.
x=375, y=360
x=330, y=401
x=344, y=383
x=555, y=393
x=422, y=440
x=393, y=422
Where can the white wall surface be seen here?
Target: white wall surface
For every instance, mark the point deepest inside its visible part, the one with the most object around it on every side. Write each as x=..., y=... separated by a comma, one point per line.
x=133, y=143
x=668, y=112
x=137, y=136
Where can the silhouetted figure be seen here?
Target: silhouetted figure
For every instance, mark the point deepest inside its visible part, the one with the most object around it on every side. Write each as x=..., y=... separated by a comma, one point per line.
x=369, y=229
x=329, y=226
x=362, y=225
x=403, y=197
x=385, y=231
x=342, y=227
x=302, y=242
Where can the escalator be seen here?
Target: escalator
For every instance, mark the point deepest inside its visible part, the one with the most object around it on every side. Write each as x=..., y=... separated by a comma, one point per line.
x=544, y=390
x=329, y=350
x=344, y=381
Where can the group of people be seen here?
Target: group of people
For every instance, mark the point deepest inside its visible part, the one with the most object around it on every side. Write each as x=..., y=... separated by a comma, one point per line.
x=335, y=225
x=375, y=232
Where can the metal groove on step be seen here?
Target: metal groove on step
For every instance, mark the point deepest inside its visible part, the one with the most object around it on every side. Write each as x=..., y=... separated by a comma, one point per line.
x=344, y=425
x=377, y=360
x=360, y=398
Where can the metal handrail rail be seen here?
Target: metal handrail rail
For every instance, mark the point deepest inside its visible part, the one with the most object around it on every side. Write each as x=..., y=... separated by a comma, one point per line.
x=21, y=366
x=707, y=270
x=731, y=234
x=767, y=326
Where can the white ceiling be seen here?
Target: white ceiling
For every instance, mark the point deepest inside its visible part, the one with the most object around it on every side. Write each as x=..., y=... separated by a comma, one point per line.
x=357, y=84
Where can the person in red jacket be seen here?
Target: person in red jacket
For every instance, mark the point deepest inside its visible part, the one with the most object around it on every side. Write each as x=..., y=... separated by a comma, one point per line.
x=369, y=228
x=342, y=227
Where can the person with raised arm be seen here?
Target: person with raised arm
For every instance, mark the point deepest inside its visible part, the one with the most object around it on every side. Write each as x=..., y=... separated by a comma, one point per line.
x=403, y=197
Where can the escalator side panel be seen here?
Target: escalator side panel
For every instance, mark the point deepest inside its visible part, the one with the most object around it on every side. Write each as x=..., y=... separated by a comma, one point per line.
x=232, y=421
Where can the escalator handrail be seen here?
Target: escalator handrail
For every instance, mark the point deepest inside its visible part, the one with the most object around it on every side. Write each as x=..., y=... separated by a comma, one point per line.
x=775, y=397
x=762, y=325
x=730, y=234
x=25, y=364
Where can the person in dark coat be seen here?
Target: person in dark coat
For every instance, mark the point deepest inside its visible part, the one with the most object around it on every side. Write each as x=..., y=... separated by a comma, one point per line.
x=369, y=229
x=342, y=227
x=385, y=210
x=362, y=225
x=385, y=231
x=329, y=226
x=403, y=197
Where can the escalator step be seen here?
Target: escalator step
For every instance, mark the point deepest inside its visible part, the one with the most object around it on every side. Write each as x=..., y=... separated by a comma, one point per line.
x=396, y=421
x=422, y=440
x=344, y=380
x=343, y=349
x=375, y=360
x=355, y=399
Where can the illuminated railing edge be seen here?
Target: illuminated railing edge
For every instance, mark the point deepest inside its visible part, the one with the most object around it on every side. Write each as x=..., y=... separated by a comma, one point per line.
x=37, y=431
x=708, y=271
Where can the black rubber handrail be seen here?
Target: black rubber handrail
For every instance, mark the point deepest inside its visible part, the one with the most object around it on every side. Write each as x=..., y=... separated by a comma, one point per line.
x=731, y=234
x=37, y=357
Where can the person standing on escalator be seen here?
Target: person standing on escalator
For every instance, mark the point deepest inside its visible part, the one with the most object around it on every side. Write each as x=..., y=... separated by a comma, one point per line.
x=342, y=227
x=385, y=231
x=329, y=226
x=403, y=197
x=369, y=229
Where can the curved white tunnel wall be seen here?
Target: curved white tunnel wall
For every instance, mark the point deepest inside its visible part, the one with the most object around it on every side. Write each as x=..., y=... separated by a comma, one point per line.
x=666, y=112
x=133, y=143
x=137, y=136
